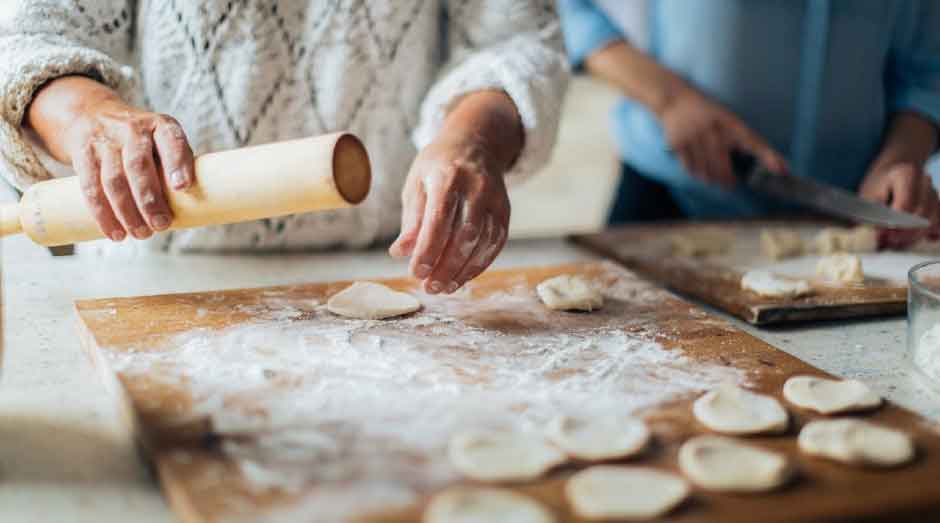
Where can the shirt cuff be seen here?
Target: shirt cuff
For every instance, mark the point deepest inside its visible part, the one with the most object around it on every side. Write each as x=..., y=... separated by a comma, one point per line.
x=586, y=30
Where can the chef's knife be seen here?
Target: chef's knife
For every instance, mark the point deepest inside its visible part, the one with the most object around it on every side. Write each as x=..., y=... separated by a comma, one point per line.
x=824, y=198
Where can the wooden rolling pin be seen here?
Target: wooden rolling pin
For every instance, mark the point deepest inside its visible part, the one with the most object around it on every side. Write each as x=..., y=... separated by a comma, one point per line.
x=311, y=174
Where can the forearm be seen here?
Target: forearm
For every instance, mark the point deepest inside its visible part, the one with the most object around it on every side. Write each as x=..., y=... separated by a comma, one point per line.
x=490, y=120
x=635, y=74
x=57, y=107
x=910, y=138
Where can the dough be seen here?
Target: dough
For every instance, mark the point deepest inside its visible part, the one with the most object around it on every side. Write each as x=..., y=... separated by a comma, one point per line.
x=778, y=244
x=365, y=300
x=855, y=441
x=569, y=292
x=723, y=464
x=628, y=493
x=829, y=396
x=480, y=504
x=598, y=438
x=772, y=286
x=862, y=239
x=832, y=240
x=733, y=410
x=841, y=268
x=502, y=455
x=706, y=241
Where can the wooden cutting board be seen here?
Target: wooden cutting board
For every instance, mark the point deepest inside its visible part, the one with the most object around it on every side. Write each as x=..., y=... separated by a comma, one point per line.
x=716, y=280
x=152, y=352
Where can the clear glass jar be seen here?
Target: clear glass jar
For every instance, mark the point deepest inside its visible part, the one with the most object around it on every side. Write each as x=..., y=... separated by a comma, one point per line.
x=923, y=320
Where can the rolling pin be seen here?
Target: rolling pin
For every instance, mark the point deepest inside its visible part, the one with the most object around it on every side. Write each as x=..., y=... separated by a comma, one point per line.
x=322, y=172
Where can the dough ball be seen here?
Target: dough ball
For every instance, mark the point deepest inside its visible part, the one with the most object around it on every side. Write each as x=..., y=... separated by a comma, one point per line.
x=480, y=504
x=725, y=465
x=827, y=396
x=629, y=493
x=770, y=285
x=778, y=244
x=569, y=292
x=706, y=241
x=502, y=455
x=855, y=441
x=829, y=241
x=862, y=239
x=841, y=268
x=833, y=240
x=733, y=410
x=598, y=438
x=365, y=300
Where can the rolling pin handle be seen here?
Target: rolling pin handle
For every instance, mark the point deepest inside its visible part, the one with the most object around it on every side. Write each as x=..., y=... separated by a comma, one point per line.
x=10, y=219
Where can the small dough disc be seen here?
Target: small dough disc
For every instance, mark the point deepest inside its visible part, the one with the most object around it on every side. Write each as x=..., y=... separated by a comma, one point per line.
x=502, y=455
x=855, y=441
x=366, y=300
x=569, y=292
x=778, y=244
x=598, y=438
x=480, y=504
x=841, y=268
x=705, y=241
x=772, y=286
x=827, y=396
x=723, y=464
x=733, y=410
x=629, y=493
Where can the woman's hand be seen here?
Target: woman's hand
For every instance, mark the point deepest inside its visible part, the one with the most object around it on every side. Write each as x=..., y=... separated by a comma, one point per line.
x=125, y=157
x=455, y=207
x=905, y=187
x=703, y=134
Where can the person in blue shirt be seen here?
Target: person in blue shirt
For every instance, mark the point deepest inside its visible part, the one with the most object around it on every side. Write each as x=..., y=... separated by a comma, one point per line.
x=847, y=92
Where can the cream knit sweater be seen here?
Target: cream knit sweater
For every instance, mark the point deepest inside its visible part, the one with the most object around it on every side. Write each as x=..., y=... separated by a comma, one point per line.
x=254, y=71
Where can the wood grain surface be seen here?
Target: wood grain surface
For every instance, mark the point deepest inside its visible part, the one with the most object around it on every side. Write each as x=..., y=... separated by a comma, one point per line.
x=717, y=281
x=205, y=486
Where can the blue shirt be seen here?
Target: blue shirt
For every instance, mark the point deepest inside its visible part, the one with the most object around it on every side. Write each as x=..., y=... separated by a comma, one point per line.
x=818, y=79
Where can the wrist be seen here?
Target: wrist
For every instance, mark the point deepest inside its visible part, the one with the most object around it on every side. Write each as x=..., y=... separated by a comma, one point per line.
x=670, y=88
x=487, y=124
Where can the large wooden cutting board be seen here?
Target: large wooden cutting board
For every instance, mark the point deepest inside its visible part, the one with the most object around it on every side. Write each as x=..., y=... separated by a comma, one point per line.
x=716, y=280
x=205, y=485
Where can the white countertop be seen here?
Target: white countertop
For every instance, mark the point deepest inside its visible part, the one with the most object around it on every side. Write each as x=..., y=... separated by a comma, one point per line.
x=65, y=457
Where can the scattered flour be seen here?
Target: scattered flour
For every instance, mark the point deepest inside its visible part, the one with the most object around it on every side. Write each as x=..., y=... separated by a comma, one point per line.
x=315, y=405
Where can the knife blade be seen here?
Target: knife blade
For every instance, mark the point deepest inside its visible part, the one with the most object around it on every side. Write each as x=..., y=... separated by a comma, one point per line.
x=826, y=199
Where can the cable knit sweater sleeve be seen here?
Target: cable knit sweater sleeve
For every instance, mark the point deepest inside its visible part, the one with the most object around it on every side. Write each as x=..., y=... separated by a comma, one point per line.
x=41, y=40
x=515, y=46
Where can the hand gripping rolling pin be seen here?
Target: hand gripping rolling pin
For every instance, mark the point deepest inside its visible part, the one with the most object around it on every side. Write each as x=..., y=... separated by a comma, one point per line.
x=311, y=174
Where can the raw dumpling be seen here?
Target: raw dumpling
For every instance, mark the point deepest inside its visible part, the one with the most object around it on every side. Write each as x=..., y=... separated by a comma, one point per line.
x=772, y=286
x=832, y=240
x=733, y=410
x=598, y=438
x=706, y=241
x=569, y=292
x=480, y=504
x=365, y=300
x=607, y=492
x=841, y=268
x=827, y=396
x=502, y=455
x=855, y=441
x=725, y=465
x=778, y=244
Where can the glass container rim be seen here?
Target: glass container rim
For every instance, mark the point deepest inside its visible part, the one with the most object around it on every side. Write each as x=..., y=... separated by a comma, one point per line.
x=911, y=277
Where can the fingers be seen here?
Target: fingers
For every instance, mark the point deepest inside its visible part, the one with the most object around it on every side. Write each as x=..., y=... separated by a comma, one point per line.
x=413, y=204
x=440, y=213
x=718, y=160
x=117, y=190
x=461, y=246
x=492, y=240
x=176, y=156
x=144, y=182
x=86, y=167
x=743, y=137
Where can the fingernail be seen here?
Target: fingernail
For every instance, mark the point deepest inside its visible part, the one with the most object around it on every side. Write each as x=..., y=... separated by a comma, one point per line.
x=118, y=236
x=141, y=232
x=423, y=271
x=452, y=287
x=177, y=179
x=436, y=287
x=161, y=221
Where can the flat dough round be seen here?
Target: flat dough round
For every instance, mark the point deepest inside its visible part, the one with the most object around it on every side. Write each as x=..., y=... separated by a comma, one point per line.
x=598, y=438
x=481, y=504
x=628, y=493
x=569, y=292
x=502, y=455
x=366, y=300
x=723, y=464
x=733, y=410
x=840, y=268
x=827, y=396
x=772, y=286
x=855, y=441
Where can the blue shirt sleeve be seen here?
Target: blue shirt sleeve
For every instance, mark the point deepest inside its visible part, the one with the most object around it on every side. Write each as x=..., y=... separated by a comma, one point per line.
x=914, y=68
x=586, y=29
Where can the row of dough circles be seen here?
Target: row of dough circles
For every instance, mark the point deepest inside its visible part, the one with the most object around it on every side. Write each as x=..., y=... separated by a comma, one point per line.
x=713, y=462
